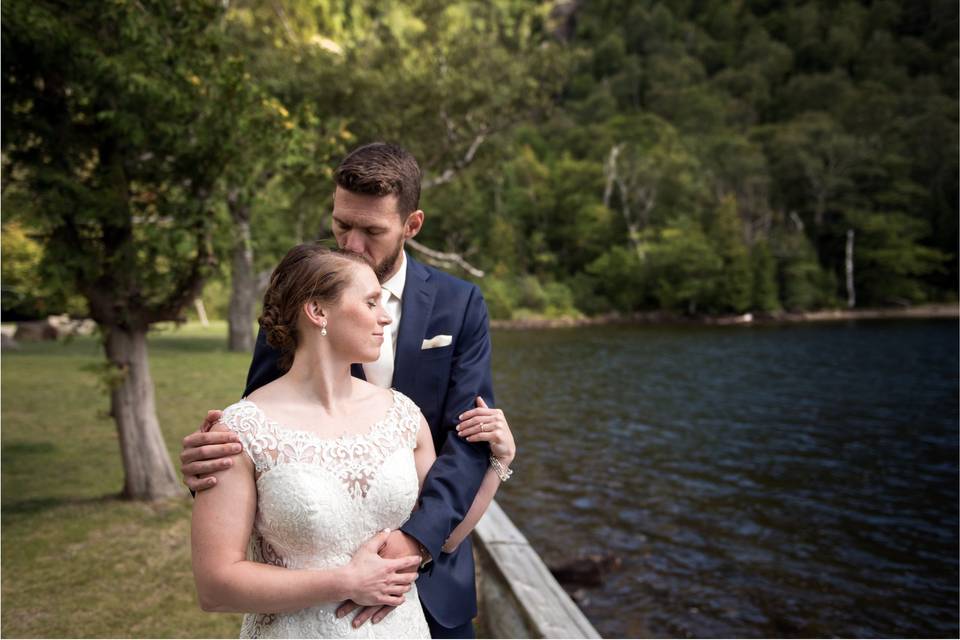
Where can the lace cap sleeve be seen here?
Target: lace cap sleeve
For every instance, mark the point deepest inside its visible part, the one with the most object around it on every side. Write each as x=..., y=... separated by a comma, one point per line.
x=244, y=419
x=409, y=419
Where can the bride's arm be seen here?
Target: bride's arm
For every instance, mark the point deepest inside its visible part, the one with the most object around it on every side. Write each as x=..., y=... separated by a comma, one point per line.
x=227, y=581
x=424, y=455
x=488, y=489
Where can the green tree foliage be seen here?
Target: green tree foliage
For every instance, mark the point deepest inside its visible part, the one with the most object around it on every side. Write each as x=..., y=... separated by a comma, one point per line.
x=705, y=157
x=113, y=124
x=443, y=79
x=802, y=281
x=764, y=292
x=26, y=292
x=739, y=142
x=890, y=261
x=114, y=116
x=683, y=270
x=734, y=286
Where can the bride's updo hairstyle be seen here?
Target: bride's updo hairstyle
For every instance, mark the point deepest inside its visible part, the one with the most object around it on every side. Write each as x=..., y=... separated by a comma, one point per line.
x=308, y=272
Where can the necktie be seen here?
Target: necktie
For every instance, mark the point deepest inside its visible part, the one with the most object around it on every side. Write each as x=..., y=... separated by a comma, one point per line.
x=380, y=372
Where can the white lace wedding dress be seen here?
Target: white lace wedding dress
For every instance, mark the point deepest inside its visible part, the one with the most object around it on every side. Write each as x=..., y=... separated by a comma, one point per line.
x=318, y=500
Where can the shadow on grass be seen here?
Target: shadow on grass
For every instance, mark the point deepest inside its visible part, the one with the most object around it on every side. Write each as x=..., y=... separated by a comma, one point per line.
x=83, y=347
x=33, y=506
x=15, y=450
x=26, y=456
x=22, y=460
x=187, y=344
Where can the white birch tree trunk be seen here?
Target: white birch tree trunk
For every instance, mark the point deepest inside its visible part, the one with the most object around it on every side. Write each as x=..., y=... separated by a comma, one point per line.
x=201, y=312
x=851, y=292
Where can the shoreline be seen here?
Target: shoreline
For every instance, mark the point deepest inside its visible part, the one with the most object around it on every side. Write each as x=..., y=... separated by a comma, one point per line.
x=924, y=312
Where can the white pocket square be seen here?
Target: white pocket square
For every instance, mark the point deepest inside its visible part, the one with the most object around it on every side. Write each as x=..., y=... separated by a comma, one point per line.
x=436, y=341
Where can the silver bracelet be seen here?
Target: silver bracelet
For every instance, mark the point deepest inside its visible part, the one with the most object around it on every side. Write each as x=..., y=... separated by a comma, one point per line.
x=502, y=471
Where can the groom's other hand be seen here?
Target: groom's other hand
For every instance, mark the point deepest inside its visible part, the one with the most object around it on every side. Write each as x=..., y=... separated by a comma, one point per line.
x=206, y=452
x=398, y=545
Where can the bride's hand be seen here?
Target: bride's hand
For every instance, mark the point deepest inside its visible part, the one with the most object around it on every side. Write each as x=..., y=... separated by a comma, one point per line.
x=484, y=424
x=372, y=580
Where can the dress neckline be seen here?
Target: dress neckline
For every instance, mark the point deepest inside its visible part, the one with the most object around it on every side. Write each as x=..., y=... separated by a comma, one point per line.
x=394, y=404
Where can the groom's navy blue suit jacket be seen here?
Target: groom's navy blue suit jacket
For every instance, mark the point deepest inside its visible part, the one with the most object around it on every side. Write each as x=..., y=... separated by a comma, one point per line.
x=444, y=383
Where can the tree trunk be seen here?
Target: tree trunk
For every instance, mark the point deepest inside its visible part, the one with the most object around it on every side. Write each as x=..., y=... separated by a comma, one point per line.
x=148, y=472
x=848, y=262
x=201, y=311
x=243, y=285
x=820, y=209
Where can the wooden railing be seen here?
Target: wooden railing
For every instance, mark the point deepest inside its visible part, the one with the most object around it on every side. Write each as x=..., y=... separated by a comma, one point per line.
x=518, y=596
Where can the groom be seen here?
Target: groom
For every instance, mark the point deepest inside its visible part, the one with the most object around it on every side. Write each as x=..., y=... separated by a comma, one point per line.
x=440, y=358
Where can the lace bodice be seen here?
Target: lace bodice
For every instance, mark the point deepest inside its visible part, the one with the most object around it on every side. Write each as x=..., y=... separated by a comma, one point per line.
x=319, y=499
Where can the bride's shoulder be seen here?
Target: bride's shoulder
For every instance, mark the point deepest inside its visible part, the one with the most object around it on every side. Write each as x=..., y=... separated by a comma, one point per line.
x=407, y=413
x=406, y=403
x=240, y=416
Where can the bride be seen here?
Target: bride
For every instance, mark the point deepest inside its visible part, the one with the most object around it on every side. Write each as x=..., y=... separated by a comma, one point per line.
x=332, y=464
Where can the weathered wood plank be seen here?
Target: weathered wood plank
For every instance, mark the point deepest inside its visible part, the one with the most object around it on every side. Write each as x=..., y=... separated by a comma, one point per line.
x=519, y=597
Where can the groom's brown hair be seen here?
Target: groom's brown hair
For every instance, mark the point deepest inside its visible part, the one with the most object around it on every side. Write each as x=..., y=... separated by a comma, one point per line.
x=382, y=169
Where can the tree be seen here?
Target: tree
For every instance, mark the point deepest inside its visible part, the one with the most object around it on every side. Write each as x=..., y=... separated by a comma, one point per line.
x=683, y=270
x=764, y=295
x=455, y=76
x=802, y=282
x=25, y=292
x=651, y=176
x=460, y=77
x=113, y=118
x=281, y=148
x=814, y=157
x=734, y=283
x=890, y=263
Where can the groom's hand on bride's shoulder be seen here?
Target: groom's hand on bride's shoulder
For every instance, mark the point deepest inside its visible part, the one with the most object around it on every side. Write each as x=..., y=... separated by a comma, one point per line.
x=205, y=452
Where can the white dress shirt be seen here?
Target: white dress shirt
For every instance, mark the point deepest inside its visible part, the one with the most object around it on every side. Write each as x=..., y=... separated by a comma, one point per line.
x=380, y=372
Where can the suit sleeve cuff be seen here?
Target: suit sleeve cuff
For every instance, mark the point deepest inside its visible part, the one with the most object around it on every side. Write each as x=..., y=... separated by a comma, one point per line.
x=421, y=532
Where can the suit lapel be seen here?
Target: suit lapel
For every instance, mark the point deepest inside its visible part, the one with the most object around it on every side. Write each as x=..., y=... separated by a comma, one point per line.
x=418, y=297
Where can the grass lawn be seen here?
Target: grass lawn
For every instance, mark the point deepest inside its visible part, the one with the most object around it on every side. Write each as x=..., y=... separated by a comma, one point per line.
x=76, y=560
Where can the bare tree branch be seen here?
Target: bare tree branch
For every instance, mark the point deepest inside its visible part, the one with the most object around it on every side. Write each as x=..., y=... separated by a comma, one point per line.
x=632, y=190
x=610, y=169
x=278, y=9
x=796, y=220
x=441, y=259
x=189, y=285
x=451, y=172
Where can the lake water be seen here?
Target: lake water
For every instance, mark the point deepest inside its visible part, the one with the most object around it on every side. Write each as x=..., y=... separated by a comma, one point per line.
x=780, y=481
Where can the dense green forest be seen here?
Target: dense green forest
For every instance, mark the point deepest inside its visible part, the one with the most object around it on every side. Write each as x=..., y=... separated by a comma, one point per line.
x=708, y=156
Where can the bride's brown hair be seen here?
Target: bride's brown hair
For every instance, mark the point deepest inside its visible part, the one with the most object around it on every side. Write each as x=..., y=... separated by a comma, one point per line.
x=308, y=272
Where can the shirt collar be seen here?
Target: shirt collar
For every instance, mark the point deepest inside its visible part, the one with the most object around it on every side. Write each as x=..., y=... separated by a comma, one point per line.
x=398, y=280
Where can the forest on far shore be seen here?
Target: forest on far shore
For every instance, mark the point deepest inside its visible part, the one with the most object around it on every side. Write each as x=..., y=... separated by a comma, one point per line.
x=698, y=156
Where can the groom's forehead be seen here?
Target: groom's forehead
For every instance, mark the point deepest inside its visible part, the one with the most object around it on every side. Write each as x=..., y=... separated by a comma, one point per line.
x=365, y=208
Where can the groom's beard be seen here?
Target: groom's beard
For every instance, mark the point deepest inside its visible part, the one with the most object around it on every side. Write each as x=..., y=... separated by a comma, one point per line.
x=385, y=266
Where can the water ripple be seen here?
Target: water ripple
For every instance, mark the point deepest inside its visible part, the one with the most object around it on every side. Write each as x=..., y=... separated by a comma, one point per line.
x=764, y=481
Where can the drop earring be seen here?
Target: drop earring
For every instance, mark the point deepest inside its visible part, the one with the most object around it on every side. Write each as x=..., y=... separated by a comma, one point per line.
x=323, y=327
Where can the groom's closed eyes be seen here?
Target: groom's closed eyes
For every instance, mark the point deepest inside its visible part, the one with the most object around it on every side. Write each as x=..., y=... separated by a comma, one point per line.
x=371, y=230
